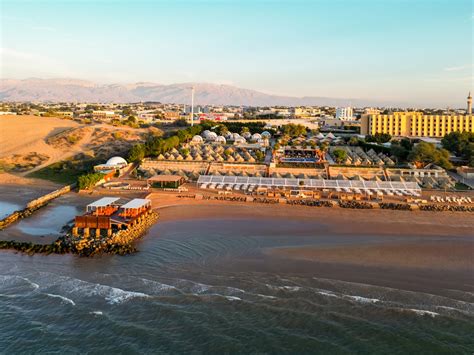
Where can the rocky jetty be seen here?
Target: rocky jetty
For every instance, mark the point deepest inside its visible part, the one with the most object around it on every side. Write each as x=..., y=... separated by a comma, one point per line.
x=34, y=206
x=119, y=243
x=395, y=206
x=356, y=205
x=443, y=208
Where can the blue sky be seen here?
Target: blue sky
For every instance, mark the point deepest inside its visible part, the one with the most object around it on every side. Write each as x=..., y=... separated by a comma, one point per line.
x=403, y=50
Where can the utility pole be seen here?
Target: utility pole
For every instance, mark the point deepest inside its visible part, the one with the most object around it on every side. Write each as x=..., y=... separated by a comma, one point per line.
x=192, y=106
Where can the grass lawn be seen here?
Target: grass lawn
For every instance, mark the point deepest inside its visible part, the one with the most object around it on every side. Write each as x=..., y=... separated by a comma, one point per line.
x=66, y=171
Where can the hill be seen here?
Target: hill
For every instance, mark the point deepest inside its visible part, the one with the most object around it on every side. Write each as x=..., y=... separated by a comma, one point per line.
x=71, y=90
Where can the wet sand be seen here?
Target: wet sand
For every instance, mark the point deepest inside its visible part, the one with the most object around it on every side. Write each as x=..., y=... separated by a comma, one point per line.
x=419, y=251
x=335, y=220
x=443, y=255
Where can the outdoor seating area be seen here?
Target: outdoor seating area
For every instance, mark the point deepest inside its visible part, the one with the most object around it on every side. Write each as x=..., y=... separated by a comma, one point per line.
x=451, y=199
x=106, y=206
x=251, y=184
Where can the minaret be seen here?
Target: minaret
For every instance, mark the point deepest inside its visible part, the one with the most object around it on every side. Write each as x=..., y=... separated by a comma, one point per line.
x=469, y=104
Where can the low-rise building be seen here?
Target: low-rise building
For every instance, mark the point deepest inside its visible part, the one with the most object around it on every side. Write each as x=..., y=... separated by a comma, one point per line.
x=344, y=113
x=105, y=115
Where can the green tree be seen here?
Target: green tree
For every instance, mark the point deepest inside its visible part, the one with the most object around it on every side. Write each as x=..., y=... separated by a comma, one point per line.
x=180, y=122
x=461, y=144
x=137, y=153
x=244, y=129
x=259, y=155
x=379, y=138
x=353, y=141
x=426, y=153
x=340, y=155
x=293, y=130
x=401, y=149
x=87, y=181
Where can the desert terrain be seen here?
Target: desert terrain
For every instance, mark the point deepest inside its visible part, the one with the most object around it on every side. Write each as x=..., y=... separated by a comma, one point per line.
x=30, y=143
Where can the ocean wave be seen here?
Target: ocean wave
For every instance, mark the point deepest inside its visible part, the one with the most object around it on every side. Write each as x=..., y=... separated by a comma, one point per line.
x=361, y=299
x=284, y=288
x=422, y=312
x=12, y=280
x=327, y=294
x=233, y=298
x=266, y=296
x=96, y=313
x=81, y=288
x=117, y=295
x=65, y=299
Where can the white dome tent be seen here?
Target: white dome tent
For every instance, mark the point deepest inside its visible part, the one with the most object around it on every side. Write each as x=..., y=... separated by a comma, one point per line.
x=212, y=136
x=116, y=162
x=266, y=134
x=246, y=135
x=221, y=139
x=240, y=140
x=197, y=139
x=256, y=137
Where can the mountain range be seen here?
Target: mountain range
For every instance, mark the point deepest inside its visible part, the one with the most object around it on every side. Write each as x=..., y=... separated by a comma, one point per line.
x=73, y=90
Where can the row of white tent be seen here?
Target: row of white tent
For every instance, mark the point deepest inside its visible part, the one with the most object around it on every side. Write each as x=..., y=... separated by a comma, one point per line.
x=210, y=136
x=349, y=186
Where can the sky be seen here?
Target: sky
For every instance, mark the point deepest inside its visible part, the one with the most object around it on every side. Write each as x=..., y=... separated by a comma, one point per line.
x=416, y=51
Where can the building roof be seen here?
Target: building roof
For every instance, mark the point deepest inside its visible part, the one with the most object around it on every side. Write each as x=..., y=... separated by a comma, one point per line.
x=165, y=178
x=309, y=183
x=104, y=201
x=137, y=203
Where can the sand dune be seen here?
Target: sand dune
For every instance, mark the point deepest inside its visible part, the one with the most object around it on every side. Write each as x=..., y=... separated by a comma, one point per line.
x=33, y=142
x=24, y=134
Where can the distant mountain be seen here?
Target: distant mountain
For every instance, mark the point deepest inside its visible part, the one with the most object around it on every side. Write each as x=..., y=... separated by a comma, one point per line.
x=72, y=90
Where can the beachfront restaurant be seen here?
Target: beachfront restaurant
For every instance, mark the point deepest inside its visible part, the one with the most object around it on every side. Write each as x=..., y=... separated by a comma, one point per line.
x=106, y=213
x=134, y=208
x=368, y=188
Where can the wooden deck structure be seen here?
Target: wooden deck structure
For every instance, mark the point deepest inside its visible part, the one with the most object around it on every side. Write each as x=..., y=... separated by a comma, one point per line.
x=106, y=213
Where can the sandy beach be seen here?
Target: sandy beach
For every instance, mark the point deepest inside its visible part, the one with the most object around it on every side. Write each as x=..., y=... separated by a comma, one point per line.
x=335, y=220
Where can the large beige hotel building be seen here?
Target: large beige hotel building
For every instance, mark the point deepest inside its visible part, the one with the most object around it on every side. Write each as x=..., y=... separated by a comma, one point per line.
x=416, y=124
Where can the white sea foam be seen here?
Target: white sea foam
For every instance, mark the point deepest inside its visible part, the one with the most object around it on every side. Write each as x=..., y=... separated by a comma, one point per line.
x=327, y=294
x=266, y=296
x=65, y=299
x=422, y=312
x=292, y=288
x=35, y=285
x=284, y=288
x=233, y=298
x=11, y=280
x=117, y=295
x=363, y=299
x=96, y=313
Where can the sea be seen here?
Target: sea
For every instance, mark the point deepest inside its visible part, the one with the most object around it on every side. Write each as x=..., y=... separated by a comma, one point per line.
x=210, y=286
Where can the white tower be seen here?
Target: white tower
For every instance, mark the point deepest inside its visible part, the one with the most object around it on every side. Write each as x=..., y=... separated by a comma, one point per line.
x=469, y=104
x=192, y=105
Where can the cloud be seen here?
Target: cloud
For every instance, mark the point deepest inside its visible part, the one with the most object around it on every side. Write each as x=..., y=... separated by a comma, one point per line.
x=458, y=68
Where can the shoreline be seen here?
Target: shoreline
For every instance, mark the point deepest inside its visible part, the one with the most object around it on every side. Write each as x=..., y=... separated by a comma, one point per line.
x=338, y=220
